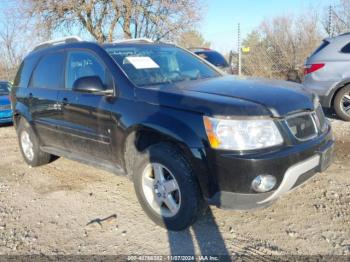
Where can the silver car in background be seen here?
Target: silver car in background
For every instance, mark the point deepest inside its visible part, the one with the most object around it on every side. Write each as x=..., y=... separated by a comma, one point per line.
x=327, y=73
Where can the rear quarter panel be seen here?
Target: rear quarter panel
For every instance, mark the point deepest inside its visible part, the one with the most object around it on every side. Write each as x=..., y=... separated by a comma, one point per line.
x=328, y=79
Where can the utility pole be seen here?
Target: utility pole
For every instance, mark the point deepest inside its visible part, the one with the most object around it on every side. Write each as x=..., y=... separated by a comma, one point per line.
x=330, y=21
x=239, y=51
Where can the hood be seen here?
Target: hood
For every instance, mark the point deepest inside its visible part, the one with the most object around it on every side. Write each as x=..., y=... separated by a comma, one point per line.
x=4, y=100
x=280, y=97
x=229, y=95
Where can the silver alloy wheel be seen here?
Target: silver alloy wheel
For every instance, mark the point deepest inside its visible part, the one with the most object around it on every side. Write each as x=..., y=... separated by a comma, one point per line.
x=345, y=104
x=161, y=190
x=27, y=146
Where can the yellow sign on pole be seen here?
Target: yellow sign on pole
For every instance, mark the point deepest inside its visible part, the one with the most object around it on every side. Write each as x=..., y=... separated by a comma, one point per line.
x=245, y=49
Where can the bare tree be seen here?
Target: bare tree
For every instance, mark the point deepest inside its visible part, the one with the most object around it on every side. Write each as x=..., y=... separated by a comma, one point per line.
x=192, y=38
x=337, y=19
x=14, y=42
x=98, y=17
x=281, y=45
x=165, y=19
x=157, y=19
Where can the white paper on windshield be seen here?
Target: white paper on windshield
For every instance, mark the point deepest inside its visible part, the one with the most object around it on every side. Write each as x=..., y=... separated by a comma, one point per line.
x=142, y=62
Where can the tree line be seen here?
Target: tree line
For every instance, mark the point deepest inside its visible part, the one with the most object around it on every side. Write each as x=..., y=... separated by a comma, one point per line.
x=30, y=21
x=277, y=46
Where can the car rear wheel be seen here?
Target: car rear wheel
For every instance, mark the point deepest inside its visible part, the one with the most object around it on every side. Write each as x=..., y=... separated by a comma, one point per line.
x=167, y=188
x=30, y=146
x=342, y=103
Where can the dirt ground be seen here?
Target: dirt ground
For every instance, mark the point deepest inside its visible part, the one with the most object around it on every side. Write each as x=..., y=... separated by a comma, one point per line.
x=47, y=210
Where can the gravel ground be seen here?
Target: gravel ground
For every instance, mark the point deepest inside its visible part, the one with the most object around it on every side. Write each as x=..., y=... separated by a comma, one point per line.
x=70, y=208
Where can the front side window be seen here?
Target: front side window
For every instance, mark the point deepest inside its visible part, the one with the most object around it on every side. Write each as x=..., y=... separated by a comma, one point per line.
x=49, y=72
x=83, y=64
x=148, y=65
x=4, y=88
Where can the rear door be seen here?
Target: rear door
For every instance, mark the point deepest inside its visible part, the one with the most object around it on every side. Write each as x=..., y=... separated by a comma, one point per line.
x=86, y=125
x=46, y=80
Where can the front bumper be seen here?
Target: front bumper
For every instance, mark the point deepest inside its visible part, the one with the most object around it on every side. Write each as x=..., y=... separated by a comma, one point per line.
x=6, y=116
x=291, y=166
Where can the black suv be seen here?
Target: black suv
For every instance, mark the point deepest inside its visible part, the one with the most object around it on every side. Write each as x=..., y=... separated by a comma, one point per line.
x=186, y=135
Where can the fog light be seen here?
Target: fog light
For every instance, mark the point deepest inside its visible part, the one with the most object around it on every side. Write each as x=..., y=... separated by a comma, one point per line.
x=263, y=183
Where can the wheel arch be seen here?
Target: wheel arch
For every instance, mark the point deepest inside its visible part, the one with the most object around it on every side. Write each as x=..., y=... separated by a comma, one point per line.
x=21, y=111
x=140, y=137
x=18, y=115
x=335, y=91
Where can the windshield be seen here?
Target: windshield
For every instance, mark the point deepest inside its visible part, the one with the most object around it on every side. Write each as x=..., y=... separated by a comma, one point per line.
x=213, y=57
x=4, y=89
x=147, y=65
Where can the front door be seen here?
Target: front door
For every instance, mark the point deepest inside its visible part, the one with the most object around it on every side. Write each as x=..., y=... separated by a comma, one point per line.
x=86, y=125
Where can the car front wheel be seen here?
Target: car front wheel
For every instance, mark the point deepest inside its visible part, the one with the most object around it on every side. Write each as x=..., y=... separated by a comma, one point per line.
x=167, y=188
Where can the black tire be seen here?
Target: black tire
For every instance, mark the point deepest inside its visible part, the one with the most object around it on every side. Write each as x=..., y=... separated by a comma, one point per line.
x=192, y=204
x=339, y=103
x=39, y=157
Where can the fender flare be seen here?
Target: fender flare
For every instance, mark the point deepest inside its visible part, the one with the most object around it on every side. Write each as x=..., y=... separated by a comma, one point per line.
x=329, y=98
x=187, y=141
x=171, y=127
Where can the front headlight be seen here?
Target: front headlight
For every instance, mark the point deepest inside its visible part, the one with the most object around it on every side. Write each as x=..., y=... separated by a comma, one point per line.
x=236, y=134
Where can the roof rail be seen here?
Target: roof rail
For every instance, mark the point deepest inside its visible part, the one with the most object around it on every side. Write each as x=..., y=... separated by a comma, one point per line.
x=199, y=48
x=134, y=40
x=64, y=40
x=344, y=33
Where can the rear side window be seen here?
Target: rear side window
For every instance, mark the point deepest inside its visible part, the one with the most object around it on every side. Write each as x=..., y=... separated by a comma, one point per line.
x=83, y=64
x=24, y=72
x=322, y=46
x=49, y=72
x=346, y=49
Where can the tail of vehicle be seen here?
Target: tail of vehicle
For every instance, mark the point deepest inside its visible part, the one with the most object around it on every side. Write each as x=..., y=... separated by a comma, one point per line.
x=310, y=68
x=326, y=74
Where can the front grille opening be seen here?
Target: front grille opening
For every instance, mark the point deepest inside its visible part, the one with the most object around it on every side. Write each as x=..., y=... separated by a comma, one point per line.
x=302, y=126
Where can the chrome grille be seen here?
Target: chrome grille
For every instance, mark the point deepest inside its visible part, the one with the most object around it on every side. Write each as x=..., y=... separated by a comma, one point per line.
x=5, y=107
x=302, y=126
x=305, y=126
x=320, y=119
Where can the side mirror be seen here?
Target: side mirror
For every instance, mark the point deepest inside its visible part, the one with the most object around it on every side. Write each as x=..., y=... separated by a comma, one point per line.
x=88, y=84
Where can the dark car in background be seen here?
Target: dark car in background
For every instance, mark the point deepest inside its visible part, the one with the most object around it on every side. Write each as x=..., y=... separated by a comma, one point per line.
x=213, y=57
x=5, y=103
x=186, y=134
